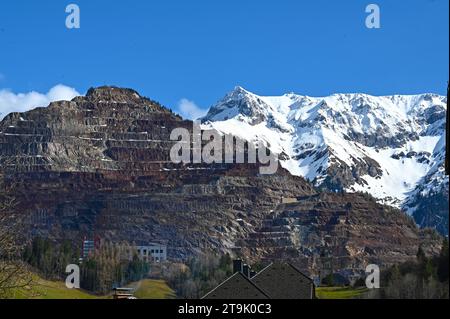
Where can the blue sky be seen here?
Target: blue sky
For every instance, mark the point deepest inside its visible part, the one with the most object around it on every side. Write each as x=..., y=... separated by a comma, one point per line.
x=200, y=49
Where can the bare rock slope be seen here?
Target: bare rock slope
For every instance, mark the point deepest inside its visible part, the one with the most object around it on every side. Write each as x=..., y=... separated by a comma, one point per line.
x=99, y=166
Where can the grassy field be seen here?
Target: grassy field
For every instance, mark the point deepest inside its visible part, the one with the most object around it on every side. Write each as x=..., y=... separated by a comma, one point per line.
x=46, y=289
x=152, y=289
x=339, y=292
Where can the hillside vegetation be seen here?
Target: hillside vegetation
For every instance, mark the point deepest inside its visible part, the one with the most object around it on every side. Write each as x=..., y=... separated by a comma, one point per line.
x=48, y=289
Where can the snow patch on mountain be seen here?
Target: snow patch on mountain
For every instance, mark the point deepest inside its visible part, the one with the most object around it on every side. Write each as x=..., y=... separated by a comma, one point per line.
x=388, y=146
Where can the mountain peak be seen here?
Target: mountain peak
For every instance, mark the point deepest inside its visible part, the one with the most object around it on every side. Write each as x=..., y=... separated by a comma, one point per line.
x=240, y=89
x=113, y=93
x=237, y=103
x=238, y=93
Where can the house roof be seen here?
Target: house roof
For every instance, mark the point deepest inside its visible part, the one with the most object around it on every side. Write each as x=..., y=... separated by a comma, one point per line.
x=284, y=281
x=276, y=281
x=236, y=287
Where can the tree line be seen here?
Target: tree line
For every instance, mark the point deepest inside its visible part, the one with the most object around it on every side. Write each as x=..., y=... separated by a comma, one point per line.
x=197, y=276
x=14, y=273
x=423, y=278
x=109, y=265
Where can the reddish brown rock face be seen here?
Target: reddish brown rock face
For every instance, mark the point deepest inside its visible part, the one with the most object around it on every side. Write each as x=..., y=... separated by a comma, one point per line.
x=100, y=165
x=351, y=229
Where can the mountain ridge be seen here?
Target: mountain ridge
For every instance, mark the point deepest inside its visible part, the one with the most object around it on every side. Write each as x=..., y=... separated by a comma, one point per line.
x=100, y=167
x=383, y=145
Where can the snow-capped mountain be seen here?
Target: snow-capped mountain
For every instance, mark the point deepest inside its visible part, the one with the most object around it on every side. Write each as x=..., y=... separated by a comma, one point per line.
x=392, y=147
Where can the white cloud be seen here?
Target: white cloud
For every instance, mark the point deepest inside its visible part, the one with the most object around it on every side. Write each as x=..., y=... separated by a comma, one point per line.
x=21, y=102
x=190, y=110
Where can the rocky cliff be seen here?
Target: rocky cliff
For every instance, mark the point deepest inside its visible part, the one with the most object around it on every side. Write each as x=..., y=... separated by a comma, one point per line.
x=99, y=166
